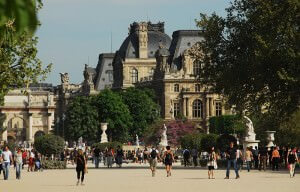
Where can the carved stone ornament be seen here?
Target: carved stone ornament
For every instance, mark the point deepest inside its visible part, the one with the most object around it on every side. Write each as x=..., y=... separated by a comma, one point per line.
x=64, y=77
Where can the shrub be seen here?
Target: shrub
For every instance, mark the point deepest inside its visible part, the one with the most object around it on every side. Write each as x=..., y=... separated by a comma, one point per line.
x=224, y=140
x=49, y=144
x=102, y=146
x=191, y=141
x=53, y=164
x=208, y=141
x=227, y=124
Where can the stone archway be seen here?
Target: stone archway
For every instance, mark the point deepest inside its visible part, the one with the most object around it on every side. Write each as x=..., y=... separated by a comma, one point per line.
x=11, y=139
x=16, y=129
x=38, y=134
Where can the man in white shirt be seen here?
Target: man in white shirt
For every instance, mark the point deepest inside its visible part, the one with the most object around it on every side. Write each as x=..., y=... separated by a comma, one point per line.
x=7, y=160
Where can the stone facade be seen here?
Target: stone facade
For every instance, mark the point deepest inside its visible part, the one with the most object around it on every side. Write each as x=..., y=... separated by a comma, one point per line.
x=147, y=58
x=28, y=115
x=135, y=60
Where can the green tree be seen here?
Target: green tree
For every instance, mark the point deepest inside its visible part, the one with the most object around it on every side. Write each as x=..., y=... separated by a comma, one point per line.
x=288, y=133
x=22, y=13
x=49, y=145
x=252, y=55
x=224, y=140
x=227, y=124
x=82, y=120
x=208, y=141
x=113, y=111
x=144, y=111
x=19, y=65
x=191, y=141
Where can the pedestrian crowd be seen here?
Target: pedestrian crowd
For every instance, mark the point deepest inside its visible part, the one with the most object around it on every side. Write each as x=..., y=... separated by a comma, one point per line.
x=274, y=158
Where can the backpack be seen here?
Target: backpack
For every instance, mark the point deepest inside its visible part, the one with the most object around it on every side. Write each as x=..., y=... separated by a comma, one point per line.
x=153, y=154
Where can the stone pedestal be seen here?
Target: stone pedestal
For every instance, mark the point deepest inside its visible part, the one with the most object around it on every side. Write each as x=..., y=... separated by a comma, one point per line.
x=250, y=141
x=103, y=135
x=270, y=138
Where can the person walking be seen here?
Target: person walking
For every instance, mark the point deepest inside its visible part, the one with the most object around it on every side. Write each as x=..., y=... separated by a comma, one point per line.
x=96, y=154
x=31, y=160
x=275, y=159
x=109, y=157
x=146, y=156
x=19, y=161
x=24, y=158
x=292, y=158
x=194, y=154
x=81, y=166
x=248, y=158
x=153, y=157
x=1, y=161
x=168, y=159
x=239, y=158
x=255, y=157
x=119, y=156
x=263, y=156
x=186, y=157
x=7, y=161
x=231, y=159
x=212, y=162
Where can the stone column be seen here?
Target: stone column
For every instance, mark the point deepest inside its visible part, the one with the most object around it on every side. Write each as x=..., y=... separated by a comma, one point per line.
x=50, y=119
x=211, y=107
x=184, y=106
x=187, y=107
x=29, y=135
x=207, y=107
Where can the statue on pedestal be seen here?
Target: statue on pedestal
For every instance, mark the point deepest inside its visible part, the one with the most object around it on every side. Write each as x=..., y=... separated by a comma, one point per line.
x=250, y=139
x=164, y=140
x=137, y=140
x=104, y=135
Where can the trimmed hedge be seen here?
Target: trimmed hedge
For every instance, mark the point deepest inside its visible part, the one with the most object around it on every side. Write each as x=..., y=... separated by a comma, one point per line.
x=103, y=146
x=49, y=145
x=54, y=164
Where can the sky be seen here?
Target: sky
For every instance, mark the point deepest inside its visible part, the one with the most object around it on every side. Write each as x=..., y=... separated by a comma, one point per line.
x=75, y=32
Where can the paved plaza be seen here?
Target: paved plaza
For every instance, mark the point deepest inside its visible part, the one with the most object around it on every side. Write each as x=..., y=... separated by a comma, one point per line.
x=136, y=178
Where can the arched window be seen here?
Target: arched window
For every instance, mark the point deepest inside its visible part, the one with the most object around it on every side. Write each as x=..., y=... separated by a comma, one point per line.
x=196, y=68
x=197, y=108
x=197, y=87
x=134, y=75
x=176, y=87
x=218, y=108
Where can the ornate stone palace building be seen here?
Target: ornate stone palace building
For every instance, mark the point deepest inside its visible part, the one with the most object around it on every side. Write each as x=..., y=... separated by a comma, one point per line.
x=148, y=57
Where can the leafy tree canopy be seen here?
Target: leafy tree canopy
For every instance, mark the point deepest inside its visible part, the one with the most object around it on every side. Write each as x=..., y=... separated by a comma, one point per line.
x=82, y=120
x=252, y=55
x=19, y=65
x=113, y=111
x=143, y=109
x=227, y=124
x=23, y=13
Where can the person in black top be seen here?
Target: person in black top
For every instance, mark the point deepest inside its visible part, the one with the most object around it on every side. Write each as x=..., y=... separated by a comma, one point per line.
x=80, y=166
x=119, y=156
x=96, y=156
x=292, y=159
x=263, y=156
x=168, y=159
x=231, y=159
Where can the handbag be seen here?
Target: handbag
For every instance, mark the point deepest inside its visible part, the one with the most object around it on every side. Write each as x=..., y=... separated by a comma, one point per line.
x=215, y=165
